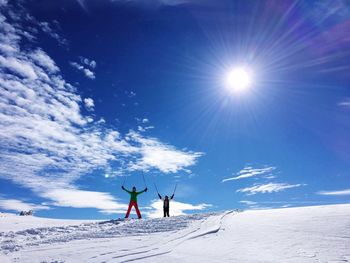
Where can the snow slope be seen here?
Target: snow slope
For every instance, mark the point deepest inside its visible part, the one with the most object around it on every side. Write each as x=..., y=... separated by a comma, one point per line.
x=305, y=234
x=13, y=222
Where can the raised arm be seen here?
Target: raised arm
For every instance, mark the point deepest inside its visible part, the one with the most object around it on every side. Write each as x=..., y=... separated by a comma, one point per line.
x=126, y=189
x=160, y=197
x=171, y=197
x=145, y=190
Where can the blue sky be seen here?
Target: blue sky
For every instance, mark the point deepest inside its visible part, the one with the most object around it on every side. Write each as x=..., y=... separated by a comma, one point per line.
x=95, y=93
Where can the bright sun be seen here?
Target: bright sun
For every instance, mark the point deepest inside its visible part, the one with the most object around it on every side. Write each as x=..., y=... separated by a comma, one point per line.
x=238, y=79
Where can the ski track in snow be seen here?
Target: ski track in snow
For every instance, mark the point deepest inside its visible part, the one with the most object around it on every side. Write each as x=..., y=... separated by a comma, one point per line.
x=206, y=227
x=305, y=234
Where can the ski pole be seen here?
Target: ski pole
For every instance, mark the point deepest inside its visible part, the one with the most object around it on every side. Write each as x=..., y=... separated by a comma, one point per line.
x=124, y=181
x=175, y=189
x=144, y=181
x=156, y=187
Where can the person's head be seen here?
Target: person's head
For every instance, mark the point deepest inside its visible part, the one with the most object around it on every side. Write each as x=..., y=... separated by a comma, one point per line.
x=134, y=189
x=166, y=197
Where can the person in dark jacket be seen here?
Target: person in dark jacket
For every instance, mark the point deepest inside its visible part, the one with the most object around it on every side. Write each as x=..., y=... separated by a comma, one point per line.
x=133, y=201
x=166, y=202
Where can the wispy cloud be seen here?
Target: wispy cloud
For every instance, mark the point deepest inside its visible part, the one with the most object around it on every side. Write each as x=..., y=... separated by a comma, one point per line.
x=345, y=103
x=247, y=202
x=88, y=62
x=254, y=205
x=19, y=205
x=42, y=59
x=130, y=93
x=84, y=199
x=87, y=72
x=144, y=124
x=249, y=171
x=144, y=128
x=337, y=192
x=46, y=143
x=87, y=66
x=283, y=204
x=47, y=28
x=176, y=208
x=158, y=155
x=267, y=188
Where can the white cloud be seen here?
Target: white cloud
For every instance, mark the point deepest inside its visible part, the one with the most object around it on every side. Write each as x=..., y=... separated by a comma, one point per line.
x=42, y=59
x=89, y=104
x=247, y=202
x=144, y=121
x=338, y=192
x=19, y=67
x=46, y=27
x=93, y=64
x=257, y=207
x=249, y=171
x=76, y=65
x=84, y=199
x=3, y=2
x=18, y=205
x=141, y=129
x=345, y=103
x=87, y=72
x=90, y=63
x=176, y=208
x=47, y=144
x=6, y=48
x=130, y=94
x=267, y=188
x=113, y=211
x=161, y=156
x=85, y=62
x=144, y=129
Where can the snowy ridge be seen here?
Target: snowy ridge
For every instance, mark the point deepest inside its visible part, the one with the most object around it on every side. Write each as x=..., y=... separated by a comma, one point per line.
x=15, y=240
x=303, y=234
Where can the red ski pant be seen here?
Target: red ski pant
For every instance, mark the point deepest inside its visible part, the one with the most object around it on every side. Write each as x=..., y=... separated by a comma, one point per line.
x=131, y=204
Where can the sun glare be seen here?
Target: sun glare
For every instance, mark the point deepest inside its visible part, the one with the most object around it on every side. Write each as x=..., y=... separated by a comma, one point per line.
x=238, y=79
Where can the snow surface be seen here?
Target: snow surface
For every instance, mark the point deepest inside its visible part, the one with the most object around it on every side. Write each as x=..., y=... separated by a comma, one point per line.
x=304, y=234
x=13, y=222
